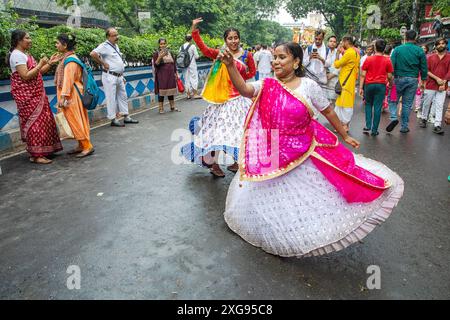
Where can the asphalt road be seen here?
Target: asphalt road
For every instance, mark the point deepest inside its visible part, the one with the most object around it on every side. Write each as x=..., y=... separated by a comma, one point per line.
x=139, y=226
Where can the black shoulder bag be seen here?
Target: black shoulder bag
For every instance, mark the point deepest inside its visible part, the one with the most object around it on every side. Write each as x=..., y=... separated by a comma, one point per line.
x=338, y=87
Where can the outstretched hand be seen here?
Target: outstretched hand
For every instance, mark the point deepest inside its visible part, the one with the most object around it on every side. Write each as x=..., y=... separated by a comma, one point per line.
x=195, y=22
x=43, y=61
x=226, y=57
x=353, y=142
x=56, y=57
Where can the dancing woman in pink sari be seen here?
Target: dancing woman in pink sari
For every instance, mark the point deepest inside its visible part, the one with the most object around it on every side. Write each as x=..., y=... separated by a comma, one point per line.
x=299, y=191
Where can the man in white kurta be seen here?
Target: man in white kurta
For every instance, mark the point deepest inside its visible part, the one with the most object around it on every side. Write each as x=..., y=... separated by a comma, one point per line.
x=190, y=74
x=264, y=61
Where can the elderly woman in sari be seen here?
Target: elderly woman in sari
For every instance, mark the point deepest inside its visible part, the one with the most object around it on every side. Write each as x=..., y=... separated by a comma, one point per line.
x=37, y=124
x=68, y=79
x=165, y=72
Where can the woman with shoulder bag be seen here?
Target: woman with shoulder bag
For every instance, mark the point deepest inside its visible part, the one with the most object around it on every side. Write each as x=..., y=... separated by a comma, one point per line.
x=66, y=78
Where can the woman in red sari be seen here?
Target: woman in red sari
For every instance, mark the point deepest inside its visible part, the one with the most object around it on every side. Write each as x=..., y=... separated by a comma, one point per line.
x=37, y=124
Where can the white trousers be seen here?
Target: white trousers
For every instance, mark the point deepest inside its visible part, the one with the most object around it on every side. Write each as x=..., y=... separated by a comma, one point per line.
x=191, y=79
x=435, y=100
x=116, y=95
x=344, y=114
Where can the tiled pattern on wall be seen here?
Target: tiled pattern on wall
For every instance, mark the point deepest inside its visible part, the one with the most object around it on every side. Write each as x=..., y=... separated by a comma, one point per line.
x=139, y=83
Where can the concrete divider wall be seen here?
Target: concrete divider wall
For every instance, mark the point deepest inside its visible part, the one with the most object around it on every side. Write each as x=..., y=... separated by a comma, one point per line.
x=140, y=89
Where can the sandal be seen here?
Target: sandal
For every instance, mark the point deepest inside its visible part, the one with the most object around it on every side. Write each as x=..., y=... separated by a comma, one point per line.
x=174, y=109
x=85, y=153
x=216, y=171
x=41, y=160
x=75, y=151
x=205, y=164
x=233, y=168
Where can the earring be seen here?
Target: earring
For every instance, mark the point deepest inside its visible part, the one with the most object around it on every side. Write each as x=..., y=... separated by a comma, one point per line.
x=295, y=66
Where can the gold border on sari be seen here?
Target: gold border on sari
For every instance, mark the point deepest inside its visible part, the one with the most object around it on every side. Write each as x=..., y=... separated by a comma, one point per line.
x=292, y=165
x=278, y=172
x=387, y=184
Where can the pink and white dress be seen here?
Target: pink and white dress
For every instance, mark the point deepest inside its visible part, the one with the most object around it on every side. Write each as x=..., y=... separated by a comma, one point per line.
x=299, y=192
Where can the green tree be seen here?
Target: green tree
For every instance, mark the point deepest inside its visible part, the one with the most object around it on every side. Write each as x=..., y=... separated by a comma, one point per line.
x=338, y=15
x=9, y=22
x=443, y=6
x=123, y=13
x=249, y=16
x=396, y=13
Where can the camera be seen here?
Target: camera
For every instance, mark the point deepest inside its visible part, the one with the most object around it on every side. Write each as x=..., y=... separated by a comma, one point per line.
x=314, y=50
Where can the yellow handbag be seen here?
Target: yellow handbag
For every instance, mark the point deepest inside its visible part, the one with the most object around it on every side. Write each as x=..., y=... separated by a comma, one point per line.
x=65, y=132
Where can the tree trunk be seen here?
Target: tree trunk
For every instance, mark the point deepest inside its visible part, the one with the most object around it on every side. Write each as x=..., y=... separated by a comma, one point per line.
x=126, y=16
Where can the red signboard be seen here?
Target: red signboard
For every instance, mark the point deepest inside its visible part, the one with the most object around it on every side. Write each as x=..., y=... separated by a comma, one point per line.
x=426, y=30
x=430, y=13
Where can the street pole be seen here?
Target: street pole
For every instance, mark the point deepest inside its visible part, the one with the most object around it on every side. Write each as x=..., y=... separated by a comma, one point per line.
x=414, y=14
x=360, y=20
x=360, y=26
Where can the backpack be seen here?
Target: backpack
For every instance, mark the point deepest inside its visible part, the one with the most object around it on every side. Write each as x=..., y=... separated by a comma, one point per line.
x=91, y=91
x=184, y=58
x=327, y=51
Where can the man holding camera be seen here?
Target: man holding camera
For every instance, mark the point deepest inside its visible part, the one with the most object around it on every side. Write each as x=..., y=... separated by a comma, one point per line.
x=315, y=59
x=108, y=55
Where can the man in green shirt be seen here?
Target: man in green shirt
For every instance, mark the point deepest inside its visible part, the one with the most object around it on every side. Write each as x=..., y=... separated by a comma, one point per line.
x=408, y=61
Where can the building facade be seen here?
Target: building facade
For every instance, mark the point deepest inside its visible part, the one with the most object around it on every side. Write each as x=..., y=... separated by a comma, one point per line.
x=49, y=14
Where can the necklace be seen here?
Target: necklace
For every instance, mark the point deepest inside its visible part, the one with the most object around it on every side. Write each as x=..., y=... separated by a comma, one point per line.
x=286, y=81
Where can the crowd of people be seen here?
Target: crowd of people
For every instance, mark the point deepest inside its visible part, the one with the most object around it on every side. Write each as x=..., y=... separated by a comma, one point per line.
x=298, y=190
x=418, y=82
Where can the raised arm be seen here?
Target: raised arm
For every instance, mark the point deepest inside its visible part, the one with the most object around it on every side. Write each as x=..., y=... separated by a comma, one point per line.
x=338, y=63
x=333, y=119
x=207, y=52
x=245, y=89
x=53, y=59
